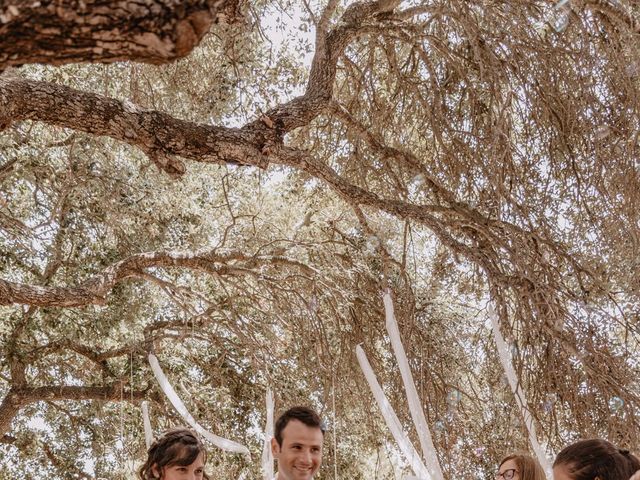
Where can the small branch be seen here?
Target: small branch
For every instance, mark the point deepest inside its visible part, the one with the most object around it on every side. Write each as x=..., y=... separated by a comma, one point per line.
x=8, y=439
x=62, y=466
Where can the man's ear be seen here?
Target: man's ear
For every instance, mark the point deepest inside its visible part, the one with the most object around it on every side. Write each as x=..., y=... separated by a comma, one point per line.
x=155, y=471
x=275, y=448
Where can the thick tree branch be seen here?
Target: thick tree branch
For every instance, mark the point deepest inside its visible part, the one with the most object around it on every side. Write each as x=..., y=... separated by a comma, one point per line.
x=162, y=137
x=95, y=289
x=19, y=397
x=113, y=392
x=67, y=31
x=91, y=353
x=356, y=20
x=159, y=135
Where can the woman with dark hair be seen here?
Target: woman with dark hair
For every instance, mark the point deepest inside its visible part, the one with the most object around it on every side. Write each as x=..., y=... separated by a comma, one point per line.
x=176, y=455
x=520, y=467
x=594, y=459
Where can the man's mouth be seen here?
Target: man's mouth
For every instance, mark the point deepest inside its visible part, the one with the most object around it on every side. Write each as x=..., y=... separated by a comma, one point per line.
x=304, y=470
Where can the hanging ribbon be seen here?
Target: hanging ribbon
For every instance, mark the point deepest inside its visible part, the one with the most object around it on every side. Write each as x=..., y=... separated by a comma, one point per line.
x=391, y=419
x=148, y=433
x=267, y=454
x=223, y=443
x=415, y=407
x=503, y=353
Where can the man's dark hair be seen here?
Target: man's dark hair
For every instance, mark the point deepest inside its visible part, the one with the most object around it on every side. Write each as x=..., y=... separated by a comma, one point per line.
x=302, y=414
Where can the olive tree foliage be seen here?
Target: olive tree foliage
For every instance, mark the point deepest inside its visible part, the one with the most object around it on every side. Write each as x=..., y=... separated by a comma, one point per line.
x=240, y=211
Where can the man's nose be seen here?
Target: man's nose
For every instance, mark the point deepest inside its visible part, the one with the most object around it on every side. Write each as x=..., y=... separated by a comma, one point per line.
x=306, y=456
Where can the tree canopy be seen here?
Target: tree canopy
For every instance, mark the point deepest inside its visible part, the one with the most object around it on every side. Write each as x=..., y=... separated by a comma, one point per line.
x=232, y=185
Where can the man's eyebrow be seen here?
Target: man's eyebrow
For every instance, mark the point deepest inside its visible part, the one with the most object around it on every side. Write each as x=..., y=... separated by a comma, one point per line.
x=301, y=444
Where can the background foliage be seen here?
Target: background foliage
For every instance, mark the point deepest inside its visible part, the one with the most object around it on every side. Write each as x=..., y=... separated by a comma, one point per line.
x=501, y=141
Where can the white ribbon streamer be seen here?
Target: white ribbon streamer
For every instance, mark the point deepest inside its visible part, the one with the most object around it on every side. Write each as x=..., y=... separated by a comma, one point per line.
x=415, y=407
x=148, y=433
x=223, y=443
x=391, y=419
x=267, y=454
x=503, y=353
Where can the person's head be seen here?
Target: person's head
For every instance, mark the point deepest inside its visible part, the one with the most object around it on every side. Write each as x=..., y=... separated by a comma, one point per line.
x=520, y=467
x=176, y=455
x=594, y=459
x=297, y=444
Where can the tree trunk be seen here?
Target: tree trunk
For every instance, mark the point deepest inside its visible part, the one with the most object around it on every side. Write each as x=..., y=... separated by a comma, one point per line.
x=68, y=31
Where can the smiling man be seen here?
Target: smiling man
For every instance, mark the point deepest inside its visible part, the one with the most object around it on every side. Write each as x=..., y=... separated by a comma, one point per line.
x=297, y=444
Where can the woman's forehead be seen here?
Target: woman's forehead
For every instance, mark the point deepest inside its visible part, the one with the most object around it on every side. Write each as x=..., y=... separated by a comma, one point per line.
x=509, y=464
x=181, y=454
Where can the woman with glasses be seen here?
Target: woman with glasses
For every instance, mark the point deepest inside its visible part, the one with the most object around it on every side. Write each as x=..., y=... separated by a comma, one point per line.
x=520, y=467
x=595, y=459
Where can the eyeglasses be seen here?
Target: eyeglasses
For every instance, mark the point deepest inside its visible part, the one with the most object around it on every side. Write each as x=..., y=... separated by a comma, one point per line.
x=507, y=474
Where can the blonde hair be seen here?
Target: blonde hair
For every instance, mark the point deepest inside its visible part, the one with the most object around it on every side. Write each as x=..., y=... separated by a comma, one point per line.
x=528, y=467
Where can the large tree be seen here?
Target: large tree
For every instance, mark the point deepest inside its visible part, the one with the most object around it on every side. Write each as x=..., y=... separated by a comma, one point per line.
x=470, y=151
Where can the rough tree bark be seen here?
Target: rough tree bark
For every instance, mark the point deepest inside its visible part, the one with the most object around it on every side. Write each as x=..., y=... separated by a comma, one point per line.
x=94, y=290
x=260, y=143
x=68, y=31
x=19, y=397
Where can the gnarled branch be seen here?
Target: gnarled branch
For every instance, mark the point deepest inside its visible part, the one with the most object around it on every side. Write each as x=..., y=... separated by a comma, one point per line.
x=18, y=397
x=94, y=290
x=150, y=31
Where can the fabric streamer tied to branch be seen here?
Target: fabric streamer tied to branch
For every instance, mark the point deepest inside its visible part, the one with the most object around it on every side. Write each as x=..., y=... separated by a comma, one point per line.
x=415, y=407
x=222, y=443
x=267, y=454
x=391, y=419
x=519, y=394
x=148, y=432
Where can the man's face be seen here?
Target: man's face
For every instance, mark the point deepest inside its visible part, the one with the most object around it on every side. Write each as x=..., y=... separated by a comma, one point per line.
x=300, y=455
